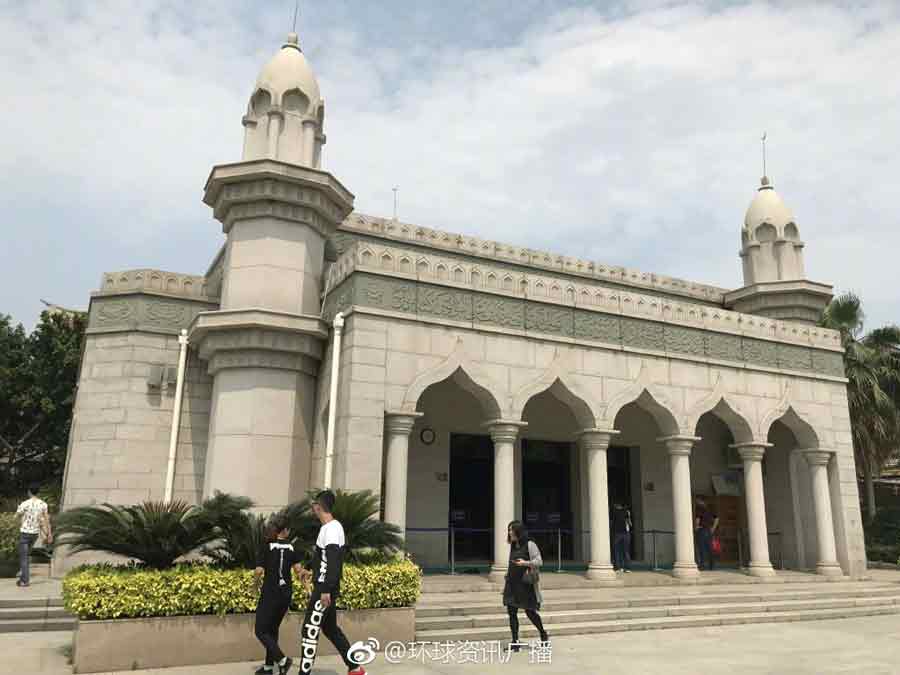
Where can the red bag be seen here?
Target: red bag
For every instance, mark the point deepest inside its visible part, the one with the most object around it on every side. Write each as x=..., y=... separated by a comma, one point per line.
x=716, y=545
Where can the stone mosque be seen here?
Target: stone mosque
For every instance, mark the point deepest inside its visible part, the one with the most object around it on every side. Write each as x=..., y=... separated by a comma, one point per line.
x=468, y=382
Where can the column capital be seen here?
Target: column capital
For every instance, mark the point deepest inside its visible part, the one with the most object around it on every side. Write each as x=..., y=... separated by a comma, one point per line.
x=596, y=438
x=504, y=430
x=817, y=457
x=753, y=451
x=679, y=445
x=400, y=422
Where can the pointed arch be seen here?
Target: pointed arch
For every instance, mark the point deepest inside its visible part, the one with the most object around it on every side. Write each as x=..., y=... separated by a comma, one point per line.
x=803, y=430
x=560, y=382
x=728, y=410
x=649, y=398
x=467, y=375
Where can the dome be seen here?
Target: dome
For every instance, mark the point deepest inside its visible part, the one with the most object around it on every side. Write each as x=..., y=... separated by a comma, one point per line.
x=288, y=71
x=767, y=207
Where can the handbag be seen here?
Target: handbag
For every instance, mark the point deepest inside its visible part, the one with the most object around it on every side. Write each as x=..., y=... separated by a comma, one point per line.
x=716, y=545
x=530, y=577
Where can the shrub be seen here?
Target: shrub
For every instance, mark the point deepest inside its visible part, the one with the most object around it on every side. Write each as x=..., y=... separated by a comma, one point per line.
x=156, y=533
x=107, y=592
x=241, y=535
x=365, y=533
x=9, y=535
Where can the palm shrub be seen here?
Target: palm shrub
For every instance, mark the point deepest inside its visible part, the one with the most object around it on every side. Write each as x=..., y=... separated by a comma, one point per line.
x=241, y=534
x=154, y=533
x=872, y=368
x=368, y=538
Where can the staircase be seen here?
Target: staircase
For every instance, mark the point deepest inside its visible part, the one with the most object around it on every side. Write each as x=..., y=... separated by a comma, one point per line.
x=23, y=611
x=480, y=616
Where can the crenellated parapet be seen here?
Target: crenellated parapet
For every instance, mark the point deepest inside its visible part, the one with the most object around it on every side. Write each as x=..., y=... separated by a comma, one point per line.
x=492, y=251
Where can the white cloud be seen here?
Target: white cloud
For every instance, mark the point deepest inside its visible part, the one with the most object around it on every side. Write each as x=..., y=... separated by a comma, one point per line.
x=630, y=137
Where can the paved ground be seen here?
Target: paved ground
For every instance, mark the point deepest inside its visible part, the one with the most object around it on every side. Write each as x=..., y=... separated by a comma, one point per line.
x=867, y=645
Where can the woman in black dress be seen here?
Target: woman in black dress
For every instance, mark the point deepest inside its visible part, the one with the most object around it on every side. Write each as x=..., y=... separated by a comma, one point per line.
x=517, y=592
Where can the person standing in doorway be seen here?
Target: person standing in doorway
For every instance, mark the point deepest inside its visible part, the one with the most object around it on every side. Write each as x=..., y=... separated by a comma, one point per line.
x=522, y=587
x=706, y=523
x=34, y=518
x=621, y=526
x=274, y=564
x=327, y=567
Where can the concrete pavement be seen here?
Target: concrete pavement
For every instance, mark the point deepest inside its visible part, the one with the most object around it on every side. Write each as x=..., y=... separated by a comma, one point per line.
x=868, y=645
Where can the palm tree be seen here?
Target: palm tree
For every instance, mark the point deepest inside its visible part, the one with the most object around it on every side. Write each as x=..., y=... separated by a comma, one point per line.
x=872, y=368
x=366, y=534
x=155, y=533
x=241, y=534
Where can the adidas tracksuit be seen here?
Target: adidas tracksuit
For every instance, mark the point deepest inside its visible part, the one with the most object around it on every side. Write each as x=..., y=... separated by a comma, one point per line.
x=327, y=567
x=276, y=558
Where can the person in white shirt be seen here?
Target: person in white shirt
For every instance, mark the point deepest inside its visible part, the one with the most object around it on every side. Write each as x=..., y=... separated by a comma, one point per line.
x=34, y=518
x=327, y=569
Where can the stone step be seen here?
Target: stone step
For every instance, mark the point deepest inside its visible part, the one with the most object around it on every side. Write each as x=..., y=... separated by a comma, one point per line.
x=11, y=603
x=496, y=619
x=37, y=612
x=37, y=625
x=527, y=631
x=475, y=604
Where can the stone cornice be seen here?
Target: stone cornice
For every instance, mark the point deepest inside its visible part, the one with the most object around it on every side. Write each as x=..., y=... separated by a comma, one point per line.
x=410, y=265
x=268, y=188
x=768, y=287
x=258, y=339
x=493, y=251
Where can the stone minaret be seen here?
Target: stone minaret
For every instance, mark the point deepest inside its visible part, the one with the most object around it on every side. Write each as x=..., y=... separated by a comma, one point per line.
x=264, y=344
x=772, y=257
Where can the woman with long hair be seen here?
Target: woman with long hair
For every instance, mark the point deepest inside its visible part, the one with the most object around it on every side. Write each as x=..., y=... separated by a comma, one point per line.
x=522, y=587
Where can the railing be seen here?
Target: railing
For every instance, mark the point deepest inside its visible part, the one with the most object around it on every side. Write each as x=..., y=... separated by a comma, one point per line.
x=657, y=545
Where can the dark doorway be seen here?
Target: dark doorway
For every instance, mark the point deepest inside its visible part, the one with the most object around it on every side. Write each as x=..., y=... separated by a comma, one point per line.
x=618, y=472
x=547, y=495
x=472, y=496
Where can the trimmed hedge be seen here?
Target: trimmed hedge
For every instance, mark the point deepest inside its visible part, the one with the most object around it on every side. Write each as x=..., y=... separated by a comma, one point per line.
x=107, y=592
x=9, y=536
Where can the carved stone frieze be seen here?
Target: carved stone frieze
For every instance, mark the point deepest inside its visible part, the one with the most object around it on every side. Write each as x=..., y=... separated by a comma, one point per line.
x=684, y=340
x=496, y=310
x=143, y=312
x=593, y=326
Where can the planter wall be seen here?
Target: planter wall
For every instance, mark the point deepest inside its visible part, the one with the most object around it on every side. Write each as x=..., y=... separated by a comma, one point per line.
x=130, y=644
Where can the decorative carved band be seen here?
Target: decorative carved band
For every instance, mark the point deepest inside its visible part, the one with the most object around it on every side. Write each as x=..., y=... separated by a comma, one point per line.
x=528, y=317
x=143, y=312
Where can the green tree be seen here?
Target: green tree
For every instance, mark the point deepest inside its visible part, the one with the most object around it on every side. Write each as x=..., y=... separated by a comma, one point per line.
x=38, y=377
x=872, y=368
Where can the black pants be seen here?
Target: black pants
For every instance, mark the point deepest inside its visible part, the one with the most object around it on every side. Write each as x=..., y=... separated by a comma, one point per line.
x=622, y=550
x=705, y=555
x=269, y=613
x=532, y=615
x=318, y=620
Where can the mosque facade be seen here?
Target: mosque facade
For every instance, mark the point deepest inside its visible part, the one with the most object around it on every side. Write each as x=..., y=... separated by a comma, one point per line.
x=468, y=382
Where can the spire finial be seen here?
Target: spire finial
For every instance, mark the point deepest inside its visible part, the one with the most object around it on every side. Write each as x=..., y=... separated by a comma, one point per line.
x=765, y=180
x=296, y=12
x=396, y=189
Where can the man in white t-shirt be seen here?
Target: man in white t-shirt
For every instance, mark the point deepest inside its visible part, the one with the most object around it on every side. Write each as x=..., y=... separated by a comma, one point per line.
x=34, y=519
x=327, y=568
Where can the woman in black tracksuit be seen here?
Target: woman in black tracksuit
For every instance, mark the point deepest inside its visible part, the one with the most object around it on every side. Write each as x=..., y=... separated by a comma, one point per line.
x=517, y=593
x=274, y=564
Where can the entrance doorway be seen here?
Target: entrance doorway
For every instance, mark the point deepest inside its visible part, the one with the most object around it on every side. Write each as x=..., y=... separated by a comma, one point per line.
x=472, y=496
x=618, y=481
x=547, y=495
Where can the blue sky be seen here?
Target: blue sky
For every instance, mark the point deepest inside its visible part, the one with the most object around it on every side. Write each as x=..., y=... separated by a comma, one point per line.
x=623, y=132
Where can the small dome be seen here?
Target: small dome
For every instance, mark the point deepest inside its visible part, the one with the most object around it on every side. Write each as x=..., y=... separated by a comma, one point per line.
x=287, y=71
x=767, y=207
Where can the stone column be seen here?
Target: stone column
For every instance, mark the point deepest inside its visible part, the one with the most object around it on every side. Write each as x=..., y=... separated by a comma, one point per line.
x=504, y=434
x=752, y=454
x=595, y=443
x=818, y=467
x=398, y=426
x=679, y=449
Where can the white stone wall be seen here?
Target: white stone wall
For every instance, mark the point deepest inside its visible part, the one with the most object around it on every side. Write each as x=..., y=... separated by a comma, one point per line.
x=121, y=428
x=389, y=361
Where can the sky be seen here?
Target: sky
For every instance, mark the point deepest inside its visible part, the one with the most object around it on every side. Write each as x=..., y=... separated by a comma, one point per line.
x=622, y=132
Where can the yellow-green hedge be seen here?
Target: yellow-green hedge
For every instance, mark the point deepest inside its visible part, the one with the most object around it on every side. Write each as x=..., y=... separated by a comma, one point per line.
x=9, y=536
x=121, y=593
